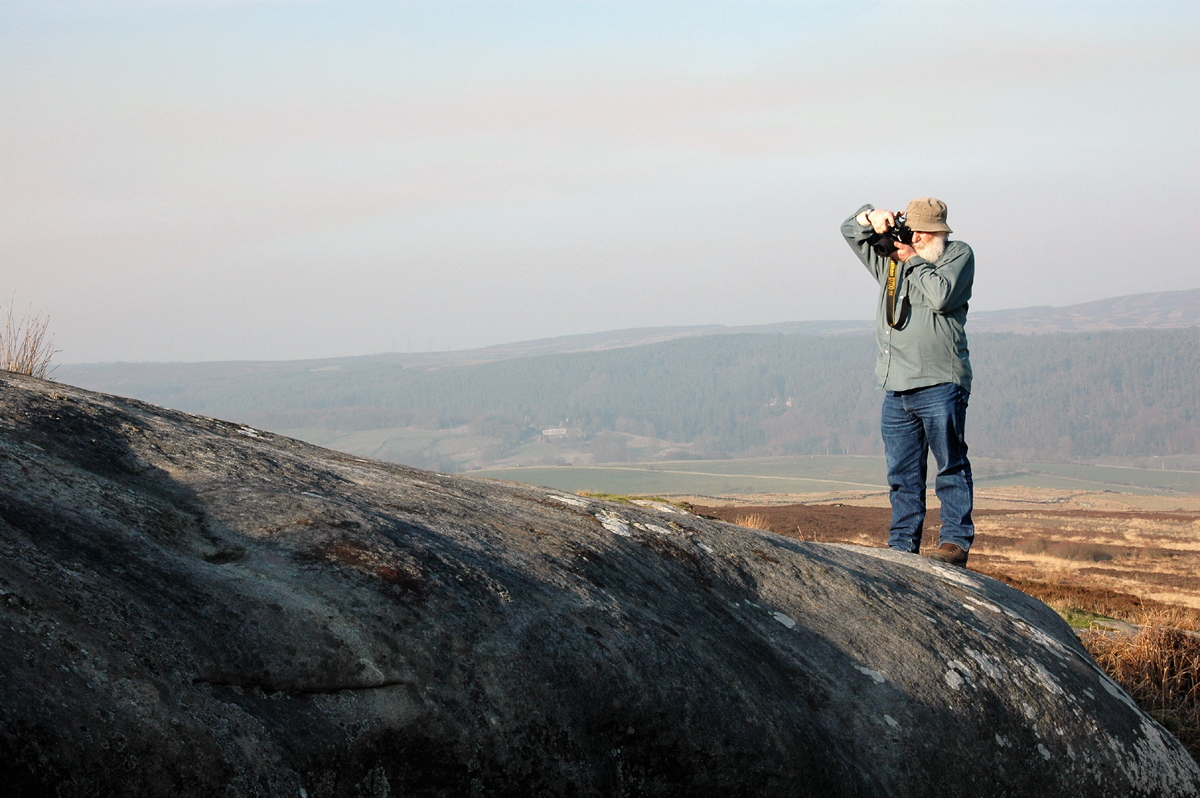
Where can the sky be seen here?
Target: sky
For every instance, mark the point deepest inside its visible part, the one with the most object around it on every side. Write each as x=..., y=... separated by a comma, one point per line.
x=187, y=180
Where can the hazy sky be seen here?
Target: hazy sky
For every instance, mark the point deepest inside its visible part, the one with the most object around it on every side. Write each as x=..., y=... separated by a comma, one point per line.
x=192, y=180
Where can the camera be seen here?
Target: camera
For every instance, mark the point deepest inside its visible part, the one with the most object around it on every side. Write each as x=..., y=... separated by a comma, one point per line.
x=884, y=244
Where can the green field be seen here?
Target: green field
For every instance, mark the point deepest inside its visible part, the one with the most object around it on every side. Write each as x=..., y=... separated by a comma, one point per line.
x=708, y=477
x=443, y=449
x=1128, y=480
x=819, y=474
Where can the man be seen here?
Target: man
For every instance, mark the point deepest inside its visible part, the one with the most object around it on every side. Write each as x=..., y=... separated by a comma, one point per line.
x=924, y=368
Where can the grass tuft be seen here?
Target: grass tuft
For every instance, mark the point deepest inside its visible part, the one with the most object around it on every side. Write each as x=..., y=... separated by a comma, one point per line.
x=24, y=348
x=753, y=521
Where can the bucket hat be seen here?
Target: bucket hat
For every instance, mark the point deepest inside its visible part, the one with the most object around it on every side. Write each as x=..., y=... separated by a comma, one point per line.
x=927, y=215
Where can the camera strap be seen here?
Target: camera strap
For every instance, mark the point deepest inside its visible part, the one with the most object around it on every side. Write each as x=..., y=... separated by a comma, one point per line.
x=891, y=293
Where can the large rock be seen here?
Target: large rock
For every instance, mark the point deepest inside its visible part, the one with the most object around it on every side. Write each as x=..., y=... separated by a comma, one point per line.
x=196, y=608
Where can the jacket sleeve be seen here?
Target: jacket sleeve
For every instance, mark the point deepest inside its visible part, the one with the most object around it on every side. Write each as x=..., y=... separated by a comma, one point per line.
x=856, y=236
x=944, y=286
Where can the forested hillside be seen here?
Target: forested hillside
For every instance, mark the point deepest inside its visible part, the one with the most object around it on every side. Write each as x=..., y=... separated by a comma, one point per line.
x=1062, y=396
x=1088, y=394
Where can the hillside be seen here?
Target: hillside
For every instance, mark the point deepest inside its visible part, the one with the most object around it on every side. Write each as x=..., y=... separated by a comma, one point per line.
x=1164, y=310
x=1057, y=396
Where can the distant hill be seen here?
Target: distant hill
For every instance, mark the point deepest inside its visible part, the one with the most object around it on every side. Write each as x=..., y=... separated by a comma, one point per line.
x=1164, y=310
x=1126, y=393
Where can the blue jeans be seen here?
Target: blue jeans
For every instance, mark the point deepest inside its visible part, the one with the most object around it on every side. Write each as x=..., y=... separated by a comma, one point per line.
x=913, y=423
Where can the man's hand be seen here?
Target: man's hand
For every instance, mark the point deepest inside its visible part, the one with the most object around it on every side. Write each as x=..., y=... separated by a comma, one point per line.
x=904, y=252
x=881, y=221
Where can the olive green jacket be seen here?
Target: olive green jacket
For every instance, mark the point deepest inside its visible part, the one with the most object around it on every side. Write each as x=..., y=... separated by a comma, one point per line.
x=928, y=345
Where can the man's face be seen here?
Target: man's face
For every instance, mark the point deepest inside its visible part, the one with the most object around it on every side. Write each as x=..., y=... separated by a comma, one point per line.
x=929, y=246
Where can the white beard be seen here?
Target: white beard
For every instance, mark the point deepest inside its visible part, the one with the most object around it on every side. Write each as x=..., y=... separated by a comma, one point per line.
x=933, y=250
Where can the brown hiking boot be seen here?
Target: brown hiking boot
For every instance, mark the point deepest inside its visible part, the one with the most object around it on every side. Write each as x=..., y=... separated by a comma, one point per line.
x=948, y=552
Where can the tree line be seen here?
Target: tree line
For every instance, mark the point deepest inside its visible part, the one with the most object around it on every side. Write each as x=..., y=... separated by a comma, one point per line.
x=1059, y=395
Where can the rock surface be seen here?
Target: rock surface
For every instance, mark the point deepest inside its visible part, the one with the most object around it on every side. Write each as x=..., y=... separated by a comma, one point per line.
x=196, y=608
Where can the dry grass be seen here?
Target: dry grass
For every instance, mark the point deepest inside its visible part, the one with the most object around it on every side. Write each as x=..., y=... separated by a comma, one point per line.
x=1072, y=550
x=24, y=347
x=1104, y=602
x=1152, y=555
x=1160, y=667
x=753, y=521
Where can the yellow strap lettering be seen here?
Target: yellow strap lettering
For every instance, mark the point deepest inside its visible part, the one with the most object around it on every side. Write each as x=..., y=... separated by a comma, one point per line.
x=891, y=293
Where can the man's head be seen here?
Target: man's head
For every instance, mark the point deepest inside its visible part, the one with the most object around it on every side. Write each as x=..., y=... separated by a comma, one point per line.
x=926, y=217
